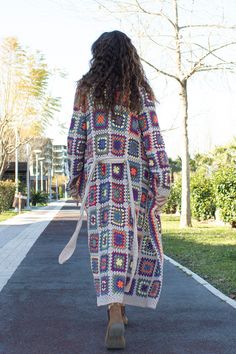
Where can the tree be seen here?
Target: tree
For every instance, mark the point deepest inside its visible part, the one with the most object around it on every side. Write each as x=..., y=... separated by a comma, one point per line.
x=189, y=48
x=220, y=157
x=182, y=45
x=26, y=106
x=175, y=167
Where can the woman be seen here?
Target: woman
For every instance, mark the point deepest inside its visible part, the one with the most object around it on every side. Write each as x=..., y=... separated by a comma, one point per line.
x=120, y=172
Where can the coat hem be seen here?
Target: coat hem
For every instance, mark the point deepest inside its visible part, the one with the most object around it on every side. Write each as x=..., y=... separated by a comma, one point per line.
x=128, y=300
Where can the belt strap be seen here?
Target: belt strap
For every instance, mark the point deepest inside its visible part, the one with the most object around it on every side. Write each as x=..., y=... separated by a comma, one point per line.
x=70, y=247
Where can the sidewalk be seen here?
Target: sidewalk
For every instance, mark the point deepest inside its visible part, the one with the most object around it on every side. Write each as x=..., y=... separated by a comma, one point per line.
x=48, y=308
x=18, y=234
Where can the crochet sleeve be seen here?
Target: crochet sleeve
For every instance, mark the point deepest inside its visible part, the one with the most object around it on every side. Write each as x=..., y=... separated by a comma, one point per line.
x=76, y=143
x=154, y=148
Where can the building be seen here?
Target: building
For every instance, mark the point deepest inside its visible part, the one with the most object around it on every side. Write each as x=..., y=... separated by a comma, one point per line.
x=54, y=158
x=10, y=172
x=51, y=160
x=59, y=160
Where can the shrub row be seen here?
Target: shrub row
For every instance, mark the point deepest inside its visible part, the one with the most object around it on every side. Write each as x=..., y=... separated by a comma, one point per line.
x=7, y=192
x=208, y=193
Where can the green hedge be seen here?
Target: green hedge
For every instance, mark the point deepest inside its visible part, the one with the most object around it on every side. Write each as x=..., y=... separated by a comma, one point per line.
x=7, y=192
x=174, y=201
x=208, y=193
x=225, y=190
x=203, y=202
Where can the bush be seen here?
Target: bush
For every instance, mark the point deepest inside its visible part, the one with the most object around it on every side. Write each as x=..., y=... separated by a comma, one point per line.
x=39, y=198
x=60, y=192
x=225, y=190
x=174, y=201
x=202, y=197
x=7, y=192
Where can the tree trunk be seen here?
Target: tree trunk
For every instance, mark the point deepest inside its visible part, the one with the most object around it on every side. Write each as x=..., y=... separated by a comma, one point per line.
x=3, y=166
x=185, y=218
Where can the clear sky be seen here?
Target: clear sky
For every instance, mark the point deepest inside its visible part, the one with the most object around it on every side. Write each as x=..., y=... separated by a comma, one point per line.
x=65, y=37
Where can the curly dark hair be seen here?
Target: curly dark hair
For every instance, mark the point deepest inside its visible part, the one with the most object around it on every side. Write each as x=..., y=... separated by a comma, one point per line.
x=116, y=74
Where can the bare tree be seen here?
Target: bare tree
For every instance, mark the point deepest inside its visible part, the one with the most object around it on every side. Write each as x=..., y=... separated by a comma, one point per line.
x=188, y=47
x=190, y=53
x=26, y=107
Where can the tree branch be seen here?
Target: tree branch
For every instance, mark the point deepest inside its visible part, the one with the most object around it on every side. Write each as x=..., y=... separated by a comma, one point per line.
x=207, y=49
x=160, y=45
x=161, y=14
x=220, y=66
x=196, y=65
x=208, y=26
x=161, y=71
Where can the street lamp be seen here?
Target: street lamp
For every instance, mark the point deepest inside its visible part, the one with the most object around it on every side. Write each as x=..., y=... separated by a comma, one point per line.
x=56, y=188
x=37, y=152
x=41, y=171
x=28, y=177
x=16, y=160
x=50, y=182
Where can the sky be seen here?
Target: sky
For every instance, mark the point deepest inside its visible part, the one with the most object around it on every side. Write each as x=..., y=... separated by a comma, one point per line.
x=65, y=35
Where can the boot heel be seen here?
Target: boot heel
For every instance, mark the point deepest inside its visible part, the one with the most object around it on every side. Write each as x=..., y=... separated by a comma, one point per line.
x=115, y=336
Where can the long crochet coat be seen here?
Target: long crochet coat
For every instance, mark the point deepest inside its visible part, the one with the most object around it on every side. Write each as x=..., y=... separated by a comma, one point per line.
x=120, y=171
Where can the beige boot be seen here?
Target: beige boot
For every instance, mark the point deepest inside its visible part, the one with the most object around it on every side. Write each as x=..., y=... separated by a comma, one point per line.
x=115, y=330
x=125, y=318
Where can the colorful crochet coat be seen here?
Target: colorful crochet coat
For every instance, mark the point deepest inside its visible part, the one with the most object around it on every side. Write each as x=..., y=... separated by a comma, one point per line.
x=119, y=169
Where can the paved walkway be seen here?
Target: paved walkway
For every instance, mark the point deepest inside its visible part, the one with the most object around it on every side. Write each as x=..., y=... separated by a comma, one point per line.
x=47, y=308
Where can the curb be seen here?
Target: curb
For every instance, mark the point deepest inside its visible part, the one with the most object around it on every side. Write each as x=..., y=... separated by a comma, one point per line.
x=203, y=282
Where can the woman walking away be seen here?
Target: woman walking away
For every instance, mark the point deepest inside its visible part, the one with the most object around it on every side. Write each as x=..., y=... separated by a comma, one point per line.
x=120, y=172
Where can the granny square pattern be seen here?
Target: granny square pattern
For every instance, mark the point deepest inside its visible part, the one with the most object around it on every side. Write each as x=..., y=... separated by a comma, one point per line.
x=118, y=122
x=118, y=284
x=135, y=171
x=155, y=289
x=146, y=267
x=94, y=264
x=100, y=120
x=133, y=148
x=118, y=193
x=143, y=287
x=154, y=119
x=118, y=216
x=93, y=195
x=119, y=262
x=143, y=122
x=118, y=144
x=104, y=285
x=104, y=216
x=103, y=171
x=134, y=125
x=93, y=244
x=118, y=171
x=93, y=219
x=104, y=194
x=102, y=144
x=118, y=238
x=126, y=257
x=104, y=263
x=104, y=240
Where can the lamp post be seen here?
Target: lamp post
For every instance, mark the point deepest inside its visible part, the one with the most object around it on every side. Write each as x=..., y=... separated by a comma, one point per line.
x=16, y=161
x=28, y=177
x=37, y=152
x=56, y=188
x=41, y=172
x=50, y=182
